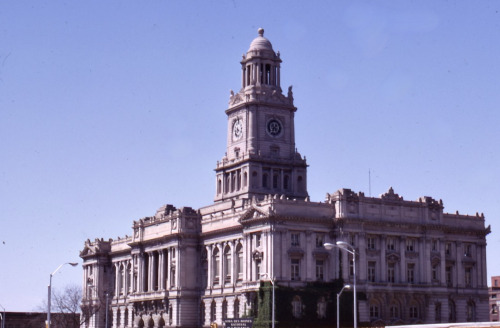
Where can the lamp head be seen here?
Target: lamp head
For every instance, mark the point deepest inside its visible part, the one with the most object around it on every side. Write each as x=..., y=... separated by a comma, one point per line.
x=347, y=286
x=328, y=246
x=73, y=263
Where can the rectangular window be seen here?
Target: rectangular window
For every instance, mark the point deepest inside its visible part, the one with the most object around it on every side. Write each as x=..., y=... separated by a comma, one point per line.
x=295, y=269
x=390, y=272
x=390, y=244
x=413, y=312
x=319, y=270
x=410, y=273
x=257, y=240
x=295, y=239
x=449, y=279
x=447, y=249
x=320, y=240
x=435, y=272
x=468, y=250
x=352, y=240
x=373, y=311
x=239, y=264
x=410, y=245
x=434, y=245
x=370, y=241
x=371, y=271
x=468, y=277
x=351, y=267
x=257, y=270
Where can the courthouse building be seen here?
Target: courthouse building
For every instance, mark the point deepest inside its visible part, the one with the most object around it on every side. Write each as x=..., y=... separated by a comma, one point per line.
x=186, y=267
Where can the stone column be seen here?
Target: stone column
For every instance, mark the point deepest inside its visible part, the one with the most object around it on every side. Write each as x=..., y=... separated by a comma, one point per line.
x=130, y=319
x=117, y=279
x=122, y=316
x=230, y=306
x=383, y=262
x=161, y=271
x=218, y=310
x=460, y=281
x=362, y=261
x=115, y=317
x=168, y=284
x=402, y=268
x=207, y=302
x=210, y=280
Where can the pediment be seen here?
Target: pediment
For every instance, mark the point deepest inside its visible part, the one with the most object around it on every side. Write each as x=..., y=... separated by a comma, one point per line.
x=252, y=213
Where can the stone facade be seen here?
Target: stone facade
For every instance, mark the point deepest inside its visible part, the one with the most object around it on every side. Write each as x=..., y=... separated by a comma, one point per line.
x=494, y=292
x=185, y=267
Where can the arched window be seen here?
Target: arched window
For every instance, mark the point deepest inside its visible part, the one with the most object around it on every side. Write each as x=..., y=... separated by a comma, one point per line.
x=213, y=308
x=239, y=262
x=471, y=311
x=286, y=182
x=394, y=311
x=118, y=316
x=374, y=311
x=413, y=311
x=437, y=312
x=219, y=186
x=452, y=311
x=224, y=309
x=216, y=266
x=227, y=264
x=300, y=184
x=245, y=180
x=321, y=308
x=297, y=307
x=236, y=309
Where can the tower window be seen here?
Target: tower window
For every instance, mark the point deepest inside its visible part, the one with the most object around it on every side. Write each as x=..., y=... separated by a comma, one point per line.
x=268, y=74
x=264, y=180
x=286, y=182
x=275, y=181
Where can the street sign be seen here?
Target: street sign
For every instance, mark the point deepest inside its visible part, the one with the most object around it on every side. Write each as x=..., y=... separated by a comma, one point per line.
x=239, y=323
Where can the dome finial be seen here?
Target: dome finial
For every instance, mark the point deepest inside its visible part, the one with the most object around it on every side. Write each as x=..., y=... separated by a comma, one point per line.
x=261, y=31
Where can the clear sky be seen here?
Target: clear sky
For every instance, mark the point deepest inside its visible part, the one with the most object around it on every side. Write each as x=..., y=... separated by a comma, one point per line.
x=110, y=109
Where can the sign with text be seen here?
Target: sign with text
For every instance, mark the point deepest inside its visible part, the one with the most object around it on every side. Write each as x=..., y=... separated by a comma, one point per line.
x=239, y=323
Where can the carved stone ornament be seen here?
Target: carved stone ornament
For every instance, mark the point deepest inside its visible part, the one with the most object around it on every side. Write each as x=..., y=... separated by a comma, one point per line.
x=256, y=255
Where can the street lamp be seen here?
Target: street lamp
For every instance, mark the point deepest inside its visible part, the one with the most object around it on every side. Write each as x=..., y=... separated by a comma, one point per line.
x=272, y=283
x=350, y=249
x=50, y=290
x=338, y=302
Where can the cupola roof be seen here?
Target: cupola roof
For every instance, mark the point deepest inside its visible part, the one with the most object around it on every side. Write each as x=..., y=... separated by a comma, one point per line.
x=260, y=42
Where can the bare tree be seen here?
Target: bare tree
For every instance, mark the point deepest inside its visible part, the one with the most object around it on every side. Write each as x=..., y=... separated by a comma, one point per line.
x=67, y=303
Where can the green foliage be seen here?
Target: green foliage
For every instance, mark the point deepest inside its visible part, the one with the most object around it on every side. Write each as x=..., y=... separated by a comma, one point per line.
x=309, y=296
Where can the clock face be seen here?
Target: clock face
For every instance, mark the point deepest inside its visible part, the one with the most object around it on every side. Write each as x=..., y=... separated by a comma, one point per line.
x=274, y=127
x=237, y=129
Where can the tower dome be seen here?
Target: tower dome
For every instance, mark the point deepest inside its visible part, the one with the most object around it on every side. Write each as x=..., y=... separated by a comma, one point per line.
x=260, y=43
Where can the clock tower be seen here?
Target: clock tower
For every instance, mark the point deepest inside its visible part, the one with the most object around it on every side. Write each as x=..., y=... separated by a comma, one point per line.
x=261, y=157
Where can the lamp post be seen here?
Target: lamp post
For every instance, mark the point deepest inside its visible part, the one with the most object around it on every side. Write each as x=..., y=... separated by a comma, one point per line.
x=50, y=290
x=338, y=302
x=350, y=249
x=3, y=316
x=272, y=283
x=107, y=309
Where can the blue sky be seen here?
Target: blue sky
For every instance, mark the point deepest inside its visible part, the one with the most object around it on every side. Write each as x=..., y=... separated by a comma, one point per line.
x=110, y=109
